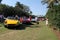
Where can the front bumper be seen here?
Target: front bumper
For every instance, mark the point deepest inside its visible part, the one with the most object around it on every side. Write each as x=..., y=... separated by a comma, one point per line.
x=11, y=25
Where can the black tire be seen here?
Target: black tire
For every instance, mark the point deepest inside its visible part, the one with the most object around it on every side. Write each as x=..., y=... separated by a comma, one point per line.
x=37, y=22
x=6, y=26
x=9, y=27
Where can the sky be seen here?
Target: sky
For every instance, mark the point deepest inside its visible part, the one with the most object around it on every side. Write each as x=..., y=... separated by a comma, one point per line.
x=35, y=5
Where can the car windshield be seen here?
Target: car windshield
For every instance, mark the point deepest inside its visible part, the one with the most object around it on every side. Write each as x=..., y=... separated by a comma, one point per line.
x=10, y=17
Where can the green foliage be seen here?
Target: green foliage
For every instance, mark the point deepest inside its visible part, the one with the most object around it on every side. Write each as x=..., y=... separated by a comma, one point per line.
x=54, y=15
x=0, y=1
x=19, y=9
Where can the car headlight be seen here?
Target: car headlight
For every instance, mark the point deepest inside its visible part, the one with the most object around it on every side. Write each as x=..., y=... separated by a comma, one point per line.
x=18, y=22
x=5, y=22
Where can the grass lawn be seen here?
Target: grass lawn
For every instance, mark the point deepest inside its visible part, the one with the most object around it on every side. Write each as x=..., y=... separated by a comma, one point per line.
x=36, y=32
x=2, y=29
x=40, y=32
x=46, y=33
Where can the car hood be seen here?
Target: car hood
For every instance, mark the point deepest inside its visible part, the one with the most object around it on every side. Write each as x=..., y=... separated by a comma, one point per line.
x=11, y=21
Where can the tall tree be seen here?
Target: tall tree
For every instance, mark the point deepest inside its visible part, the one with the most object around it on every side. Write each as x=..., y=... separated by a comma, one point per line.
x=22, y=9
x=0, y=1
x=50, y=2
x=19, y=5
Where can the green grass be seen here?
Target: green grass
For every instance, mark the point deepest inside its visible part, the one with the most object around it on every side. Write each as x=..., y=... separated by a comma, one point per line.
x=42, y=32
x=2, y=28
x=46, y=33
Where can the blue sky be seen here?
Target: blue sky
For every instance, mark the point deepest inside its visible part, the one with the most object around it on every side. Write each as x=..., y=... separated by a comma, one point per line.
x=35, y=5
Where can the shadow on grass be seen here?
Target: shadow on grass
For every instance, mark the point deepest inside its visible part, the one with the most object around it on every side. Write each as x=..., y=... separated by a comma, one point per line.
x=35, y=26
x=21, y=26
x=32, y=25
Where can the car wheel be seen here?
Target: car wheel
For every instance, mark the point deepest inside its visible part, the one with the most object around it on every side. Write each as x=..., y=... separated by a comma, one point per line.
x=37, y=22
x=6, y=26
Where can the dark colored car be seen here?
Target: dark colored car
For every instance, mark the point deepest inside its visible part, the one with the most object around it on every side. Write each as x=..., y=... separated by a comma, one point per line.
x=26, y=21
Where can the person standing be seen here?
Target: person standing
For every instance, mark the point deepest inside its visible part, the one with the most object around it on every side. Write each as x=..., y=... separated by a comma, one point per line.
x=16, y=16
x=36, y=19
x=46, y=21
x=30, y=17
x=21, y=19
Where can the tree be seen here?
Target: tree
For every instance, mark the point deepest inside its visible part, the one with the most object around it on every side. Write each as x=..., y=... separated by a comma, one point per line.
x=50, y=2
x=19, y=9
x=19, y=5
x=0, y=1
x=22, y=9
x=53, y=12
x=26, y=9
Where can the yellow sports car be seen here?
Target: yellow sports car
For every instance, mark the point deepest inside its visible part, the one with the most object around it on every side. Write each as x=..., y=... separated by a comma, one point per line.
x=11, y=22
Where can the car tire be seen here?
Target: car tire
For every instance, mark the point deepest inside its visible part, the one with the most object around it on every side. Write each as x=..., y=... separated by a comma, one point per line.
x=6, y=26
x=37, y=22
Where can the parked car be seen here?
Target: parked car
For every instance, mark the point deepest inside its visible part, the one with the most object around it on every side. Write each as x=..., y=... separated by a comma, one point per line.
x=26, y=20
x=1, y=18
x=35, y=20
x=11, y=22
